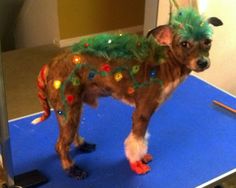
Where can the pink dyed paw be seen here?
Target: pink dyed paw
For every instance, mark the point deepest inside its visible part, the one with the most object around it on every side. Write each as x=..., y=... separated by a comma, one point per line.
x=139, y=167
x=147, y=158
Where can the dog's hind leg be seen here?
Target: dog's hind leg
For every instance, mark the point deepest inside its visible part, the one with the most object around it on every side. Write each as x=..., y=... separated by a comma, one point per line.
x=136, y=143
x=68, y=128
x=82, y=145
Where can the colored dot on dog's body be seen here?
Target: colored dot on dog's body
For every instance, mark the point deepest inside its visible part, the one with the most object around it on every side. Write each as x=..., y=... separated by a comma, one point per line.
x=106, y=68
x=91, y=75
x=103, y=73
x=86, y=45
x=153, y=73
x=135, y=69
x=60, y=112
x=118, y=76
x=70, y=99
x=57, y=84
x=75, y=81
x=131, y=90
x=76, y=59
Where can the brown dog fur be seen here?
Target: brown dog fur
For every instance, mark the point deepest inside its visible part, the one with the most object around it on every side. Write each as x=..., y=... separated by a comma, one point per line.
x=181, y=59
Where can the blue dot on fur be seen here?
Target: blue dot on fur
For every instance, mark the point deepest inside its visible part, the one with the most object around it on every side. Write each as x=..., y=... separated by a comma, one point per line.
x=153, y=73
x=60, y=112
x=91, y=75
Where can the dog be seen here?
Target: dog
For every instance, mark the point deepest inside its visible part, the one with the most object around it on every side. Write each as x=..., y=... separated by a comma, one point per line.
x=140, y=71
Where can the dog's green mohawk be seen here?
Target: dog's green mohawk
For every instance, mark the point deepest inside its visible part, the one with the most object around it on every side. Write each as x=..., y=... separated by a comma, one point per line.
x=189, y=24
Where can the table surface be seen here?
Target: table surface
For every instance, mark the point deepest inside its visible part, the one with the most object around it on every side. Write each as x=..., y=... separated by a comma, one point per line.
x=192, y=141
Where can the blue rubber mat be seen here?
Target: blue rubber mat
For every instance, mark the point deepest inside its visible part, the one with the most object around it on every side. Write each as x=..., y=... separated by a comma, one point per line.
x=191, y=141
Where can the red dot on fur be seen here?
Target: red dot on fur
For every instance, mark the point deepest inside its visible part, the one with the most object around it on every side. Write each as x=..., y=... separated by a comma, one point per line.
x=70, y=99
x=131, y=90
x=106, y=68
x=86, y=45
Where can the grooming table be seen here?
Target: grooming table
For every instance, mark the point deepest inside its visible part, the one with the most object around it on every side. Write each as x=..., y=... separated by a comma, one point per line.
x=192, y=141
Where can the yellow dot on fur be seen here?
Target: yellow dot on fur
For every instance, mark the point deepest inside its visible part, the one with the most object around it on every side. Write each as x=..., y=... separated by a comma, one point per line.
x=135, y=69
x=76, y=59
x=118, y=76
x=57, y=84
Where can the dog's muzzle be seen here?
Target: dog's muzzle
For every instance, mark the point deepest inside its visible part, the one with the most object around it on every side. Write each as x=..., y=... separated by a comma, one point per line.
x=203, y=63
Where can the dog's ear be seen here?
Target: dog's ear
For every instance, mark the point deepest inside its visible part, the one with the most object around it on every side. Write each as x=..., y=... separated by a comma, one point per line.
x=163, y=35
x=215, y=21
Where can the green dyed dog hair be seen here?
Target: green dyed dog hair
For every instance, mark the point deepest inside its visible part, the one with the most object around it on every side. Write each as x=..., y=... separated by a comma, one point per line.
x=119, y=46
x=189, y=24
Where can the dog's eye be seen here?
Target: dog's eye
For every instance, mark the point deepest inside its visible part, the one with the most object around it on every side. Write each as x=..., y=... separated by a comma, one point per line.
x=185, y=44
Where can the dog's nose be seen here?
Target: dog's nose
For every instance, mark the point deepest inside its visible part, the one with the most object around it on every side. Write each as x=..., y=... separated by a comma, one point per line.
x=202, y=63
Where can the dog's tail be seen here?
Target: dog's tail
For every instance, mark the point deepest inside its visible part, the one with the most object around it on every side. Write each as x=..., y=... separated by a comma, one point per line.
x=41, y=83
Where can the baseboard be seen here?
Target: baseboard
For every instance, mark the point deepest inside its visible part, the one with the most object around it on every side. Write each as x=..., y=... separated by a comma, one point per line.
x=71, y=41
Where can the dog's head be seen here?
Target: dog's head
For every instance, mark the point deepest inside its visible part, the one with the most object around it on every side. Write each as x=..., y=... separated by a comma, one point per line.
x=188, y=36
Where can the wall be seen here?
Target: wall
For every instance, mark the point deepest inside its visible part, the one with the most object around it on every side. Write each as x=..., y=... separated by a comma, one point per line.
x=164, y=9
x=222, y=70
x=43, y=22
x=37, y=23
x=83, y=17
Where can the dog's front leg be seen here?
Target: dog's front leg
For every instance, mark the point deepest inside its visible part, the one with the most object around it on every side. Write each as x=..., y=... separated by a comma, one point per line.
x=136, y=143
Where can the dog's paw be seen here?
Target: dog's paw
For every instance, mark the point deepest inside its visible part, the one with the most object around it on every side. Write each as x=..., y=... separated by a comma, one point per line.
x=87, y=147
x=139, y=167
x=147, y=158
x=77, y=173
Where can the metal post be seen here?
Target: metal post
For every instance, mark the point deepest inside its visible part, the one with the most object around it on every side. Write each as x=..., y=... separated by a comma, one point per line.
x=4, y=131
